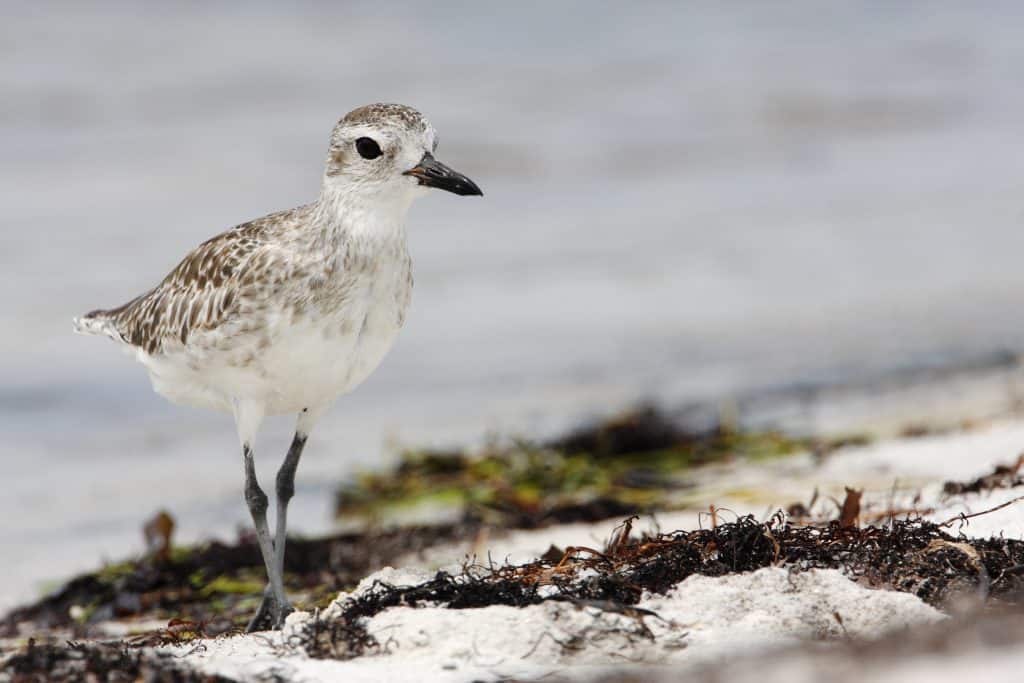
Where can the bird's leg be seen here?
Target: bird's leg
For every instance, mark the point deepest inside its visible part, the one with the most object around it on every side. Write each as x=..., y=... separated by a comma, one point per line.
x=256, y=499
x=270, y=607
x=263, y=620
x=285, y=491
x=248, y=416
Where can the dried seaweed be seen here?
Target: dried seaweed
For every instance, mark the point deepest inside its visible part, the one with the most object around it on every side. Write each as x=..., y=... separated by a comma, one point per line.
x=217, y=584
x=99, y=661
x=343, y=638
x=1002, y=477
x=912, y=556
x=640, y=430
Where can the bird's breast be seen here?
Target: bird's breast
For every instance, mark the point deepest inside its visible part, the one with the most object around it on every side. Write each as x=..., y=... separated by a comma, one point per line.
x=349, y=323
x=371, y=287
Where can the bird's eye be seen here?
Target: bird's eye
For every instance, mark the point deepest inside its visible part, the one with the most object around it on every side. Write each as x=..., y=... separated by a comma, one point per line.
x=368, y=148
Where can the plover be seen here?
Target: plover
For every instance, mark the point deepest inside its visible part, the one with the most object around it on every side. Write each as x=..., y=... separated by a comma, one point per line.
x=283, y=314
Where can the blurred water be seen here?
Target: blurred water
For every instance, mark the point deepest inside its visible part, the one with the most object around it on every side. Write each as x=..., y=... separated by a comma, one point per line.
x=683, y=200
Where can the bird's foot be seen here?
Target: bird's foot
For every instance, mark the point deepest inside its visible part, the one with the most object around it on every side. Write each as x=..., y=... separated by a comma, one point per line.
x=270, y=615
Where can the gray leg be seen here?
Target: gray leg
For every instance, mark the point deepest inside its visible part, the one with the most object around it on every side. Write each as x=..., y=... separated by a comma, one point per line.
x=307, y=419
x=263, y=620
x=285, y=491
x=256, y=499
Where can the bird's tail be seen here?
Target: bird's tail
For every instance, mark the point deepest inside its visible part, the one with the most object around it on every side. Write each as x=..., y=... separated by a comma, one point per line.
x=95, y=323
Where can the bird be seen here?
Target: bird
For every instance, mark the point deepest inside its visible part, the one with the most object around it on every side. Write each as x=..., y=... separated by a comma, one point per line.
x=283, y=314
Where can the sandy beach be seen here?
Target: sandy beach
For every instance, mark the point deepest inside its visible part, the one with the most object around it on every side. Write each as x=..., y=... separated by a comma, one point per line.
x=957, y=492
x=794, y=231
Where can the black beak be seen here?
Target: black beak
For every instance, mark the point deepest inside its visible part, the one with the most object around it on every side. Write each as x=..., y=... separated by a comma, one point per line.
x=433, y=173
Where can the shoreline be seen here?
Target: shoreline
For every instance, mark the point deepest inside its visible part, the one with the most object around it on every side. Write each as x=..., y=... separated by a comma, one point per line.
x=948, y=475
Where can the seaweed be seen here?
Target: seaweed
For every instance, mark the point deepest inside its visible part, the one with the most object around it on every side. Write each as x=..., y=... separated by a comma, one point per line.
x=636, y=461
x=1001, y=477
x=912, y=556
x=98, y=661
x=218, y=584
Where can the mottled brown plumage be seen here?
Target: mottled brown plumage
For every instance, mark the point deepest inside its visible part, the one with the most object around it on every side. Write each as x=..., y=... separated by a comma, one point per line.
x=207, y=289
x=285, y=313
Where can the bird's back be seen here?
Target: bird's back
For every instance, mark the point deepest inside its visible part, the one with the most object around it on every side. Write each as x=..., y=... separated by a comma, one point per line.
x=207, y=290
x=262, y=311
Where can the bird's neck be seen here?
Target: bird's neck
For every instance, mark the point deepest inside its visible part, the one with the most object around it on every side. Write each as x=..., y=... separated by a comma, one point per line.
x=342, y=214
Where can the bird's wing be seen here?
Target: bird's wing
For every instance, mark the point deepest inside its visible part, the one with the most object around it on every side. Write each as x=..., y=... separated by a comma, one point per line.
x=201, y=293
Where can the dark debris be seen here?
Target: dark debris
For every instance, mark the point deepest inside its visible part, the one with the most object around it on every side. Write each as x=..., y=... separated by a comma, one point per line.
x=637, y=431
x=912, y=556
x=1002, y=477
x=217, y=584
x=344, y=638
x=99, y=661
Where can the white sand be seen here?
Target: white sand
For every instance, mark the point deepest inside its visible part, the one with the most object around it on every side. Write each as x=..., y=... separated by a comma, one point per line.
x=703, y=621
x=700, y=619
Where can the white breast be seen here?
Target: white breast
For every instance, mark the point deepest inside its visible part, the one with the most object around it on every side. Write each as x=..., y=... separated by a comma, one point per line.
x=323, y=340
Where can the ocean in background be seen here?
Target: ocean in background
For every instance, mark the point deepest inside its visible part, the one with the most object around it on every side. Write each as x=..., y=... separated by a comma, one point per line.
x=684, y=202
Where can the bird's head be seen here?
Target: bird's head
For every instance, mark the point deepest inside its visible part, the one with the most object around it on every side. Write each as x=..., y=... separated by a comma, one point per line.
x=387, y=151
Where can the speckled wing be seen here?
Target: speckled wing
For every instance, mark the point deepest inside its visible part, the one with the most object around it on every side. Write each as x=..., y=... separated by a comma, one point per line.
x=201, y=293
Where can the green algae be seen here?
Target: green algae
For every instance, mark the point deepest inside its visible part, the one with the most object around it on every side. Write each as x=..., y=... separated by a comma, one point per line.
x=640, y=458
x=110, y=573
x=232, y=585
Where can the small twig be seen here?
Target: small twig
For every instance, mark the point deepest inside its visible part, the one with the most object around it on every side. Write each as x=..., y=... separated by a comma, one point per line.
x=850, y=511
x=839, y=620
x=620, y=536
x=536, y=644
x=963, y=518
x=1009, y=571
x=892, y=514
x=892, y=502
x=571, y=551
